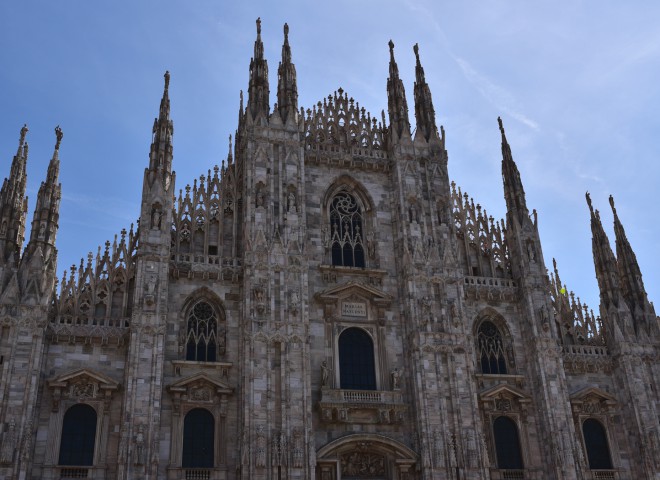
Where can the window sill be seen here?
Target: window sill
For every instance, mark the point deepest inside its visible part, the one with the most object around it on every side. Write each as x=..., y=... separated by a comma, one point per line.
x=182, y=365
x=338, y=269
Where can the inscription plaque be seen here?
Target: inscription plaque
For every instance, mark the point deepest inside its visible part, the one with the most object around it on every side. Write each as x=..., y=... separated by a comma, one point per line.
x=354, y=309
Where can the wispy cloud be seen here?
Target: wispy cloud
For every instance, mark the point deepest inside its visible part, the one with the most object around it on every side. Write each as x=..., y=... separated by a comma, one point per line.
x=494, y=94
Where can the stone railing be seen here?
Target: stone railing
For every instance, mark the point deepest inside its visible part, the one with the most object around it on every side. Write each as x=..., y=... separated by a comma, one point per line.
x=362, y=406
x=604, y=475
x=586, y=358
x=198, y=474
x=490, y=282
x=74, y=472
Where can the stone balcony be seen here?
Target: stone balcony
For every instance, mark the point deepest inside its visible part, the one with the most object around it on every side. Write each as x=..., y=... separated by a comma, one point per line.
x=490, y=288
x=362, y=406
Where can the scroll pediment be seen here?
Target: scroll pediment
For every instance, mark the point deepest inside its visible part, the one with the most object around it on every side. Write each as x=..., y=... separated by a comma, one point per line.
x=199, y=385
x=355, y=290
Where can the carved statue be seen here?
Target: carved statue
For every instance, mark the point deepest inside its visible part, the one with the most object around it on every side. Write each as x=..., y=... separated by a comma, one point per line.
x=291, y=206
x=261, y=447
x=138, y=458
x=156, y=217
x=325, y=373
x=8, y=441
x=396, y=379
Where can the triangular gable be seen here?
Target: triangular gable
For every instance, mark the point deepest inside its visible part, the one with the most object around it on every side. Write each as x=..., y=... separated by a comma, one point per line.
x=75, y=376
x=200, y=378
x=585, y=393
x=504, y=390
x=333, y=294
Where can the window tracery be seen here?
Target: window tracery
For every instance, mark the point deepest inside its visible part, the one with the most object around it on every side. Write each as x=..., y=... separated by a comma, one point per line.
x=346, y=226
x=490, y=349
x=205, y=338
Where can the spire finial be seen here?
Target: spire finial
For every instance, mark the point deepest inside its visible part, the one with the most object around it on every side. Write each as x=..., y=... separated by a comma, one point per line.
x=286, y=33
x=612, y=205
x=588, y=197
x=167, y=80
x=258, y=25
x=416, y=50
x=58, y=135
x=24, y=131
x=391, y=44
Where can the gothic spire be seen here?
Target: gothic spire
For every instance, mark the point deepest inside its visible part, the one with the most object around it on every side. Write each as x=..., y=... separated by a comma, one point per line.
x=258, y=101
x=630, y=274
x=514, y=193
x=287, y=89
x=604, y=260
x=424, y=112
x=46, y=211
x=397, y=104
x=13, y=203
x=161, y=145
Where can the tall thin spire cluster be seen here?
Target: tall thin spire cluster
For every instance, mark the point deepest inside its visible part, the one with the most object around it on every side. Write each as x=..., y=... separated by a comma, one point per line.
x=397, y=105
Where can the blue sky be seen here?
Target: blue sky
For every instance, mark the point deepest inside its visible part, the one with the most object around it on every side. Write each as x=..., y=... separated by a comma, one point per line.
x=575, y=83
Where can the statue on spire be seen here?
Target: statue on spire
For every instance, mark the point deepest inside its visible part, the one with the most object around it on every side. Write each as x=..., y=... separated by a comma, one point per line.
x=58, y=135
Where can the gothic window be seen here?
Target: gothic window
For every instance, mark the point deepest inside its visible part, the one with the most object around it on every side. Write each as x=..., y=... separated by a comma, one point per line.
x=203, y=343
x=347, y=232
x=198, y=439
x=507, y=444
x=490, y=349
x=78, y=436
x=595, y=441
x=357, y=369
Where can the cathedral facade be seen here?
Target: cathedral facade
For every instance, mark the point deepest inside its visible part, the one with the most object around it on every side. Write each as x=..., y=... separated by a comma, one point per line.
x=324, y=305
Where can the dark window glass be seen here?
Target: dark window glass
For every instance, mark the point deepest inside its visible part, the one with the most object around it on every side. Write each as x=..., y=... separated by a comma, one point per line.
x=490, y=349
x=346, y=230
x=198, y=438
x=202, y=333
x=78, y=436
x=507, y=444
x=595, y=439
x=356, y=360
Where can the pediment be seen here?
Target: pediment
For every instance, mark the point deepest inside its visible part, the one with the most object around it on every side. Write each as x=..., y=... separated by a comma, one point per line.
x=199, y=384
x=82, y=384
x=592, y=394
x=83, y=375
x=504, y=391
x=354, y=289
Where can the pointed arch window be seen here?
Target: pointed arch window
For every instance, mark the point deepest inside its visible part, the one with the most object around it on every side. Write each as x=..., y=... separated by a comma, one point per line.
x=78, y=436
x=490, y=349
x=507, y=444
x=346, y=227
x=198, y=439
x=203, y=341
x=595, y=441
x=357, y=370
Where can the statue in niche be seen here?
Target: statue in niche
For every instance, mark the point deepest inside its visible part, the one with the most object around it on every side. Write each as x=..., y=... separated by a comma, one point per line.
x=156, y=217
x=8, y=441
x=396, y=379
x=325, y=373
x=261, y=196
x=42, y=230
x=139, y=446
x=291, y=203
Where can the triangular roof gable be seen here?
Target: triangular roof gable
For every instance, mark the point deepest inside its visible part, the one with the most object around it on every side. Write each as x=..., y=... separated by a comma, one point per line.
x=583, y=393
x=352, y=288
x=504, y=389
x=104, y=381
x=183, y=384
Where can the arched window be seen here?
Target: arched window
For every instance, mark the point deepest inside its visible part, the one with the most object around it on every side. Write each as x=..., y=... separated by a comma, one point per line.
x=203, y=344
x=507, y=444
x=198, y=439
x=490, y=349
x=595, y=440
x=357, y=370
x=78, y=436
x=346, y=230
